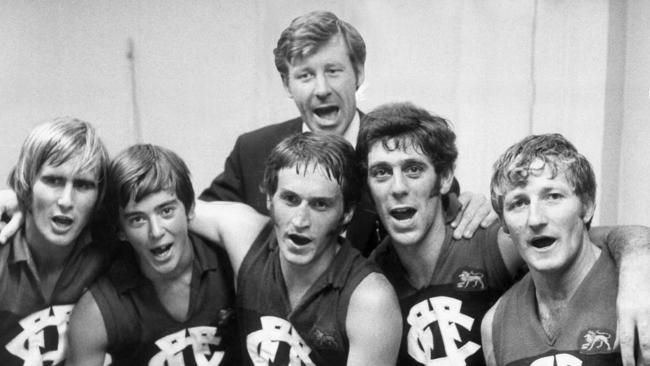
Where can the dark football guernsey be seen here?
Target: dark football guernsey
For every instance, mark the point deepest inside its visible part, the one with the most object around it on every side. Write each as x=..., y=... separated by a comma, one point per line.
x=588, y=327
x=139, y=329
x=442, y=321
x=33, y=329
x=314, y=332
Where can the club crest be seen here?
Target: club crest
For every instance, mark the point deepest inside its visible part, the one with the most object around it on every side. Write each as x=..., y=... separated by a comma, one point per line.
x=470, y=279
x=594, y=341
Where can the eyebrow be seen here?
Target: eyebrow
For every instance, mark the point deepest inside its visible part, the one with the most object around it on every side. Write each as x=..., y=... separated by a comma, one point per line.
x=170, y=201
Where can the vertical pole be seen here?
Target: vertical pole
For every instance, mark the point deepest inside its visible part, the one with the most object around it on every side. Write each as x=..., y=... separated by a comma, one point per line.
x=137, y=126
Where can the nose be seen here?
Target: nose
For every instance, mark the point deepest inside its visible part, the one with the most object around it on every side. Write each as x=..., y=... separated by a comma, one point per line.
x=155, y=228
x=301, y=218
x=398, y=186
x=537, y=215
x=323, y=89
x=65, y=199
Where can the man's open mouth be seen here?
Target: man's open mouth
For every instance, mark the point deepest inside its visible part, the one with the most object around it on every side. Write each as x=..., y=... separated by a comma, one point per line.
x=62, y=220
x=542, y=241
x=329, y=112
x=403, y=213
x=299, y=239
x=161, y=250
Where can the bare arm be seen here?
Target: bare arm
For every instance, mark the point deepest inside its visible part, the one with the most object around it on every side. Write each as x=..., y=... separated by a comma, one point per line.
x=486, y=336
x=9, y=208
x=87, y=334
x=630, y=247
x=231, y=224
x=373, y=323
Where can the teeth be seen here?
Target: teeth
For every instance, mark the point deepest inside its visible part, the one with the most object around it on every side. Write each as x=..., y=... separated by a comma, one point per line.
x=299, y=239
x=402, y=213
x=160, y=250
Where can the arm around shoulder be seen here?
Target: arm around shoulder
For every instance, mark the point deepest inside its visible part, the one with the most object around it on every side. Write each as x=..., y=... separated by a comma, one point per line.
x=87, y=336
x=232, y=225
x=486, y=336
x=630, y=248
x=374, y=323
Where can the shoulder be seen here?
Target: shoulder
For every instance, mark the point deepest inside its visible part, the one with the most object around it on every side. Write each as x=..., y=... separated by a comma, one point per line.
x=373, y=295
x=374, y=322
x=486, y=335
x=373, y=290
x=87, y=331
x=226, y=216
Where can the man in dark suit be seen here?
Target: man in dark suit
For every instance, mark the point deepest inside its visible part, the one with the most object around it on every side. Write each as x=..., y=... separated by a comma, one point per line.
x=320, y=59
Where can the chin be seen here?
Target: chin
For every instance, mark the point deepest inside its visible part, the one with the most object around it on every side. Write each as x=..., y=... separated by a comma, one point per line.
x=404, y=239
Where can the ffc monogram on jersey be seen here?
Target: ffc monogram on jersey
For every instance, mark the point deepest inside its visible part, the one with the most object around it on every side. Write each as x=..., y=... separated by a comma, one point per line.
x=444, y=313
x=192, y=346
x=33, y=328
x=140, y=330
x=570, y=358
x=442, y=321
x=311, y=333
x=264, y=345
x=42, y=340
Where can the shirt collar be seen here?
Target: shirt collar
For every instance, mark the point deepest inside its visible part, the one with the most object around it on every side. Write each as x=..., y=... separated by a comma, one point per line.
x=335, y=274
x=350, y=133
x=129, y=276
x=22, y=253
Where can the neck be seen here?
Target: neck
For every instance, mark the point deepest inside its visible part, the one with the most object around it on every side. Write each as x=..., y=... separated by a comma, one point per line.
x=562, y=284
x=47, y=256
x=181, y=274
x=554, y=291
x=419, y=259
x=299, y=278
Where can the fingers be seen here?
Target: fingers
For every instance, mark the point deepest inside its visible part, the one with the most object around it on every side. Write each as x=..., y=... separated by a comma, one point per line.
x=490, y=219
x=625, y=333
x=643, y=340
x=11, y=227
x=476, y=212
x=458, y=224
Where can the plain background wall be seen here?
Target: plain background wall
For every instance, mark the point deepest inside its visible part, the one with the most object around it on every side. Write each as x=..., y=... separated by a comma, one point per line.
x=204, y=74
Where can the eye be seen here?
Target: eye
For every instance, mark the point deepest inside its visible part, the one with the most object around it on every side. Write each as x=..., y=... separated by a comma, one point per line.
x=321, y=205
x=84, y=185
x=334, y=71
x=290, y=199
x=516, y=204
x=167, y=211
x=414, y=170
x=304, y=76
x=53, y=181
x=554, y=196
x=135, y=221
x=380, y=172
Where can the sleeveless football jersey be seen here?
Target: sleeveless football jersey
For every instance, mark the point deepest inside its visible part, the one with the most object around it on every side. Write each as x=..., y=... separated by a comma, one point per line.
x=32, y=329
x=588, y=328
x=141, y=331
x=314, y=332
x=442, y=321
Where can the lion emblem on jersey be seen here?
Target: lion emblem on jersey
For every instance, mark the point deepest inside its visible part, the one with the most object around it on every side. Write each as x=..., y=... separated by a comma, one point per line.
x=470, y=279
x=596, y=341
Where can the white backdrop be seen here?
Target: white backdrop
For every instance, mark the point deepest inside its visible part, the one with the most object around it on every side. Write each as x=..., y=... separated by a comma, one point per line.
x=204, y=74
